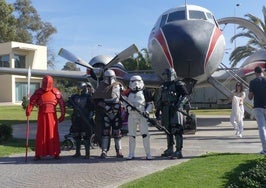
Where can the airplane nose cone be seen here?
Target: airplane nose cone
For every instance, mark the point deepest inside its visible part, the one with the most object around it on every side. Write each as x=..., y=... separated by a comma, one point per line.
x=188, y=44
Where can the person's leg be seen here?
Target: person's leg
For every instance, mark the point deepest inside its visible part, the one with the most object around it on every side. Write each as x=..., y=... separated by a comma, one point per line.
x=132, y=130
x=145, y=137
x=233, y=122
x=260, y=115
x=78, y=145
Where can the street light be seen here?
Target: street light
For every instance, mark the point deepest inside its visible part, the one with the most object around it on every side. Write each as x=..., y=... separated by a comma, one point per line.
x=236, y=5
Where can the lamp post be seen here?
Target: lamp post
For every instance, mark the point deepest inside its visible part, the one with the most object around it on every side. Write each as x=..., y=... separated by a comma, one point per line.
x=236, y=5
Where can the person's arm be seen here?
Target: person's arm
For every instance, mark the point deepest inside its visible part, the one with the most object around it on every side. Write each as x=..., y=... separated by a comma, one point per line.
x=250, y=95
x=242, y=97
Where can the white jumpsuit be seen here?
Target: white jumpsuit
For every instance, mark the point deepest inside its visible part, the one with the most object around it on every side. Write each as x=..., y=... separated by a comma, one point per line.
x=136, y=120
x=237, y=113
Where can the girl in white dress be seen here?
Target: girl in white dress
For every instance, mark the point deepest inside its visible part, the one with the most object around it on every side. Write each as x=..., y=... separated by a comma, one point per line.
x=237, y=113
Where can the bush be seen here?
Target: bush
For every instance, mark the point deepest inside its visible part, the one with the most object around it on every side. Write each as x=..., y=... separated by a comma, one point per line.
x=25, y=102
x=254, y=177
x=5, y=132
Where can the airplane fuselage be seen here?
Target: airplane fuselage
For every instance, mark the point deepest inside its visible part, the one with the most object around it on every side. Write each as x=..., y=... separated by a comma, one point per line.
x=188, y=39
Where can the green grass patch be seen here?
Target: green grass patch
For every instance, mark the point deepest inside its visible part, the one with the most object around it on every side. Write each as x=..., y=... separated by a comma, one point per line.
x=14, y=146
x=212, y=112
x=12, y=115
x=16, y=114
x=208, y=171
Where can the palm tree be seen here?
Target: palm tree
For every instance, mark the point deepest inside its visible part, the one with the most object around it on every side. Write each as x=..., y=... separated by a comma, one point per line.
x=253, y=43
x=140, y=62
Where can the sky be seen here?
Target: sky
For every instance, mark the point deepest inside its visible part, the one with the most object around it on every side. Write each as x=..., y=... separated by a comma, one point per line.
x=105, y=27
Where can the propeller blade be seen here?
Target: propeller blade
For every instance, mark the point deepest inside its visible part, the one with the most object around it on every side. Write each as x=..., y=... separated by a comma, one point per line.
x=71, y=57
x=122, y=55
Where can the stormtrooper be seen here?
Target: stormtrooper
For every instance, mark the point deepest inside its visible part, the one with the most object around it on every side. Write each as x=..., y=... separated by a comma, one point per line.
x=141, y=99
x=172, y=98
x=107, y=98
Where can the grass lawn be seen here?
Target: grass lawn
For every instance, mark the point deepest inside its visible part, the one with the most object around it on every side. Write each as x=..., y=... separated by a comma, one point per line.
x=16, y=114
x=212, y=112
x=208, y=171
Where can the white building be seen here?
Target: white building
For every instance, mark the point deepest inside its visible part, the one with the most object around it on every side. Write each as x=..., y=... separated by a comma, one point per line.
x=20, y=55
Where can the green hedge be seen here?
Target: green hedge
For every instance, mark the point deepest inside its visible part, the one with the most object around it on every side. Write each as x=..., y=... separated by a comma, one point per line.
x=5, y=132
x=255, y=177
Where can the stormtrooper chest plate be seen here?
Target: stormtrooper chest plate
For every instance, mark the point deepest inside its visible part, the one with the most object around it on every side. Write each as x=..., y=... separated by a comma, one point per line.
x=137, y=99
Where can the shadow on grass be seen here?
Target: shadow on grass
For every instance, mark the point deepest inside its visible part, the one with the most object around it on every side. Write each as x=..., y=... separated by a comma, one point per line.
x=12, y=122
x=17, y=143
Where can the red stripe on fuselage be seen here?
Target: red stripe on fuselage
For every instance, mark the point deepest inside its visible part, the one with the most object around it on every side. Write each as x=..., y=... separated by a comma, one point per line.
x=161, y=39
x=215, y=36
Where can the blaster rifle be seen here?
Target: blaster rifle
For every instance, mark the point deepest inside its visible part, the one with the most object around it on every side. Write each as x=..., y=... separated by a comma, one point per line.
x=82, y=115
x=152, y=121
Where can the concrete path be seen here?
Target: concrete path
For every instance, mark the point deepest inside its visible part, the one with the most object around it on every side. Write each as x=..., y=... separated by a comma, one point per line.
x=215, y=134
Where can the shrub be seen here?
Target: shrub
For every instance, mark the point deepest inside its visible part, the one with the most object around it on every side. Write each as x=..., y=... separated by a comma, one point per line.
x=25, y=102
x=254, y=177
x=5, y=132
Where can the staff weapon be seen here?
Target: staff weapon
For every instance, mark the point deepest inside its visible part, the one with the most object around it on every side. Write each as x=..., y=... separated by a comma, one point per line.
x=28, y=121
x=152, y=121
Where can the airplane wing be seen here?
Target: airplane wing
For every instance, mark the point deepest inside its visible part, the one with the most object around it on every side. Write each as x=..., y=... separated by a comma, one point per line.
x=41, y=73
x=150, y=79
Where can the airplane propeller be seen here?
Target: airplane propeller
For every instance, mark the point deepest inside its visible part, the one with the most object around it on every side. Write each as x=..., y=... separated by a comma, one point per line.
x=122, y=55
x=98, y=71
x=71, y=57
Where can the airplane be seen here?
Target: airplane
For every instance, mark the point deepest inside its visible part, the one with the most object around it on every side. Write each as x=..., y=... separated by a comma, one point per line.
x=186, y=38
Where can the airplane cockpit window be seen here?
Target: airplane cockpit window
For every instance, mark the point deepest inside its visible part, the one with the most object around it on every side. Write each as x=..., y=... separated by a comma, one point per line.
x=210, y=17
x=195, y=14
x=163, y=20
x=178, y=15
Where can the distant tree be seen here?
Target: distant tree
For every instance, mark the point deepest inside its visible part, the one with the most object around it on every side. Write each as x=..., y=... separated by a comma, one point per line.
x=67, y=86
x=21, y=22
x=30, y=28
x=71, y=67
x=253, y=43
x=8, y=22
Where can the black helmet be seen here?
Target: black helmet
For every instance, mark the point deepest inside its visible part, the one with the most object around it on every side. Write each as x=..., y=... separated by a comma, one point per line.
x=81, y=85
x=169, y=75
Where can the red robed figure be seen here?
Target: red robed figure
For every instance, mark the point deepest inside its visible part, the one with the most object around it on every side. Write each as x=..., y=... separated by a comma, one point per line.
x=46, y=99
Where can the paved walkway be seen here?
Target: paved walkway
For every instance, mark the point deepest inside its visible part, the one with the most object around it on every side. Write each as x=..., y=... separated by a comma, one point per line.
x=215, y=134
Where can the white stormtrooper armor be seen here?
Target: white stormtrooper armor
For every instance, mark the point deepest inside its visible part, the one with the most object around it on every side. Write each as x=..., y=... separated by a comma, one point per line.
x=137, y=98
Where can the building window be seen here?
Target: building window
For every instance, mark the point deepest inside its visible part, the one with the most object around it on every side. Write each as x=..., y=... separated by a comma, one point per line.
x=21, y=90
x=20, y=61
x=4, y=61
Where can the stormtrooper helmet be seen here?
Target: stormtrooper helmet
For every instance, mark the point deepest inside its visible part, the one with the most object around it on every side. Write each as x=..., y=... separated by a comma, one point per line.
x=109, y=77
x=136, y=83
x=169, y=75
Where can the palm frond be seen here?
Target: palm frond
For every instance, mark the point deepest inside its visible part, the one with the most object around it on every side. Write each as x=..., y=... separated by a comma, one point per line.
x=253, y=43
